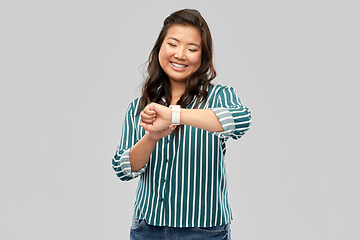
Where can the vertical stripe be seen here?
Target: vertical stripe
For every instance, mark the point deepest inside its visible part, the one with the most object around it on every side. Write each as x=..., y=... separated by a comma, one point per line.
x=165, y=209
x=188, y=178
x=216, y=187
x=183, y=158
x=153, y=179
x=212, y=174
x=155, y=213
x=195, y=181
x=206, y=176
x=200, y=181
x=176, y=179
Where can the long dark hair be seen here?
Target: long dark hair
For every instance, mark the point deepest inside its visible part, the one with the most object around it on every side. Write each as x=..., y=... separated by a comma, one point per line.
x=157, y=84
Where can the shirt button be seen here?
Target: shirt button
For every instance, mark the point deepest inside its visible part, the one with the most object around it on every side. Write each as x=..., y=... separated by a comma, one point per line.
x=162, y=199
x=166, y=160
x=164, y=180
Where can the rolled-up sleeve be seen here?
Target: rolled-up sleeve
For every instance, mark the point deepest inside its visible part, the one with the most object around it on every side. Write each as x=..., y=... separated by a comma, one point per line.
x=233, y=116
x=121, y=161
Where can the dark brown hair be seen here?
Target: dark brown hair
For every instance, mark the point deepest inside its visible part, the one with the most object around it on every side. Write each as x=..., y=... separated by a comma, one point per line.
x=157, y=84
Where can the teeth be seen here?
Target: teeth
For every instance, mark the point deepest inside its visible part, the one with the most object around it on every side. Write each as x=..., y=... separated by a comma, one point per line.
x=178, y=65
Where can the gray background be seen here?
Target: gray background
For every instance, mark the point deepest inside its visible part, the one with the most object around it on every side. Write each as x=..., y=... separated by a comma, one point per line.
x=70, y=68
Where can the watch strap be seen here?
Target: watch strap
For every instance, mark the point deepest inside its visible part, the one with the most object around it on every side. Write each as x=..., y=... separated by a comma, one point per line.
x=175, y=120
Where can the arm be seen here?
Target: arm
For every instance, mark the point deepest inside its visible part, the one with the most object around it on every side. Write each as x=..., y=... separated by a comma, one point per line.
x=201, y=118
x=132, y=155
x=156, y=117
x=121, y=161
x=139, y=154
x=227, y=117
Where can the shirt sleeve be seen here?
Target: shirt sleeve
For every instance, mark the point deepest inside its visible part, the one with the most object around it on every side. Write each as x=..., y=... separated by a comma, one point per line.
x=233, y=116
x=121, y=161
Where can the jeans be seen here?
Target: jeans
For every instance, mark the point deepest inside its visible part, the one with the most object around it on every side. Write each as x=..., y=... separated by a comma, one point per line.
x=140, y=230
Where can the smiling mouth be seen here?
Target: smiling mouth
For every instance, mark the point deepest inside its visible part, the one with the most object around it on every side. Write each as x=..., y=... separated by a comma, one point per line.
x=178, y=65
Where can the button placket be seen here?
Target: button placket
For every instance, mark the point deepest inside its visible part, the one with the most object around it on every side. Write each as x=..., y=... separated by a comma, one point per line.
x=166, y=141
x=163, y=174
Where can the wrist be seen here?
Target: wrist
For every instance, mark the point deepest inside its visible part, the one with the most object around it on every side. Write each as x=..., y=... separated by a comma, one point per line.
x=184, y=112
x=150, y=138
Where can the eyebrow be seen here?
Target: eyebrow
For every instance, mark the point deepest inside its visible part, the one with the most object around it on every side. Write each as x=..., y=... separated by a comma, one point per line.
x=194, y=44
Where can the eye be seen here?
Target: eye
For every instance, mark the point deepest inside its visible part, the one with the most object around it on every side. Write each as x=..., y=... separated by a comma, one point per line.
x=172, y=45
x=193, y=50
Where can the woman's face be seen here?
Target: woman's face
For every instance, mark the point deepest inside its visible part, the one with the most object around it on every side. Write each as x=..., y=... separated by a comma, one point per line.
x=180, y=53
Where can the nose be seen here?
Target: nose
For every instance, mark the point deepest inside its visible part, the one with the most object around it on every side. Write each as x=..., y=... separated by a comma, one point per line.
x=180, y=54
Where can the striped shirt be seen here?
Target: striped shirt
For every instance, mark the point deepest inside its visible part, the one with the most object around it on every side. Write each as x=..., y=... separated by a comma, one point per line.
x=184, y=183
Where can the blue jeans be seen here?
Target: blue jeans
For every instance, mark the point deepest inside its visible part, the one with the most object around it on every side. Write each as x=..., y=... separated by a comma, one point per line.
x=140, y=230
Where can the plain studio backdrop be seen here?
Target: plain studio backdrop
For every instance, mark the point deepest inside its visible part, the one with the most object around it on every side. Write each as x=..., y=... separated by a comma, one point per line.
x=69, y=69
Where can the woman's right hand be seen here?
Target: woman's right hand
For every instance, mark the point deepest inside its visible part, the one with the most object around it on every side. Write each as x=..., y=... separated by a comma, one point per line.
x=156, y=119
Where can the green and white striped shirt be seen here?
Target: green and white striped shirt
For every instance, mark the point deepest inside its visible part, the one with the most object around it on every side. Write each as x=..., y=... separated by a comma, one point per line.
x=184, y=183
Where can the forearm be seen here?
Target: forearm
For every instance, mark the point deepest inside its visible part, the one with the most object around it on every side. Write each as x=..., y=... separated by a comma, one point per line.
x=201, y=118
x=140, y=152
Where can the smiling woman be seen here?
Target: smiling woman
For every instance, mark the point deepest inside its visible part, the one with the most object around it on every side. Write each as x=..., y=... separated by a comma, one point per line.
x=182, y=192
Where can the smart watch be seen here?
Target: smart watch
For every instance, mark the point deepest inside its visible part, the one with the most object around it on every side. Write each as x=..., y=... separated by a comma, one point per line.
x=175, y=120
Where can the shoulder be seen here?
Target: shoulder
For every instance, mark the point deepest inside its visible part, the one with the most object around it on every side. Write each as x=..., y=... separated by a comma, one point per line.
x=133, y=107
x=216, y=89
x=223, y=95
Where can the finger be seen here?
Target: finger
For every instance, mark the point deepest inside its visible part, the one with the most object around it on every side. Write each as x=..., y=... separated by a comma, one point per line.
x=147, y=127
x=148, y=111
x=147, y=117
x=147, y=121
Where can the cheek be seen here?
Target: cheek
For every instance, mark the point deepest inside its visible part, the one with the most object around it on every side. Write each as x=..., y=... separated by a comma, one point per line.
x=164, y=55
x=164, y=52
x=196, y=60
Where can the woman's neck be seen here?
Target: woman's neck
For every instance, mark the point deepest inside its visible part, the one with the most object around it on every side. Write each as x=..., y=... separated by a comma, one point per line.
x=177, y=90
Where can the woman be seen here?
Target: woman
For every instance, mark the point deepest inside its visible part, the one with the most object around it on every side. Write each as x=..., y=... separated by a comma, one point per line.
x=174, y=137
